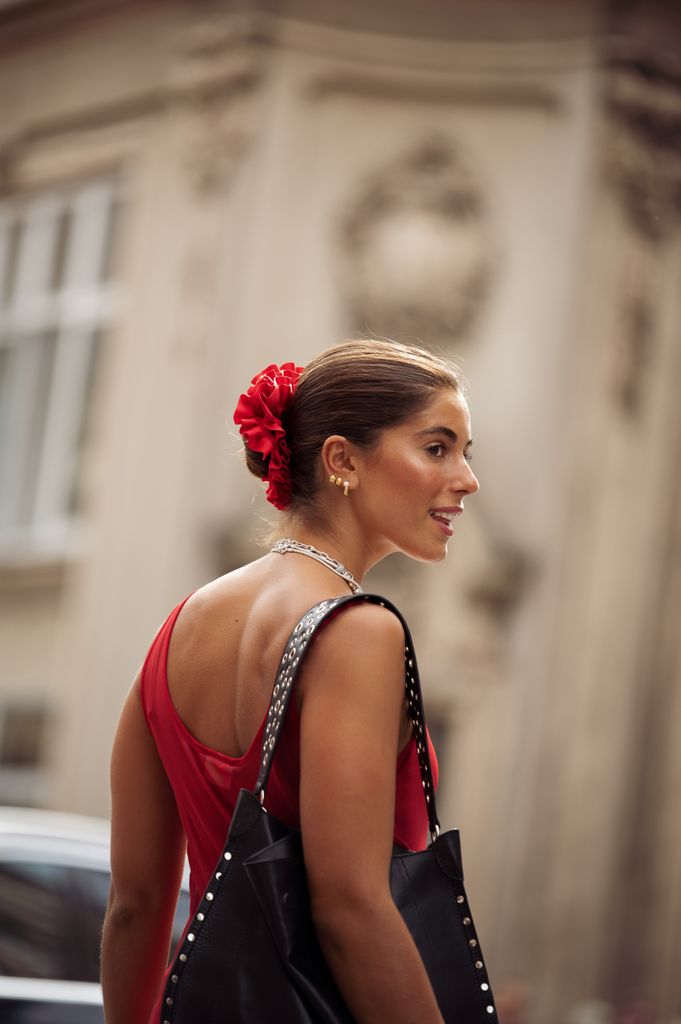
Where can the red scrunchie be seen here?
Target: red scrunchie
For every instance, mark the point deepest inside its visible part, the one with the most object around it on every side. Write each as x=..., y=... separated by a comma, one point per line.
x=258, y=414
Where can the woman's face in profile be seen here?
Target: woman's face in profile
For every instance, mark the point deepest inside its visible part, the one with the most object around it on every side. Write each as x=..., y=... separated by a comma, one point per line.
x=416, y=479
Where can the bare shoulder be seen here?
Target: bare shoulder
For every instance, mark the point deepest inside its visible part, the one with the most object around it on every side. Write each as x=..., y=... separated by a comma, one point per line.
x=362, y=622
x=365, y=636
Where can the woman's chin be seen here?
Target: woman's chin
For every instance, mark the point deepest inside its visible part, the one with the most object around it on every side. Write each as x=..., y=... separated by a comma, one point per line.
x=427, y=554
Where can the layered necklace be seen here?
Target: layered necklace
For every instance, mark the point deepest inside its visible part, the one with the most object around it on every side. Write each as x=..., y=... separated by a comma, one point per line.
x=288, y=544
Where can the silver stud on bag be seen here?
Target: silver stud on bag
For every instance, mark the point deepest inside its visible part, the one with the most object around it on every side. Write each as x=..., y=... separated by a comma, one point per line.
x=459, y=899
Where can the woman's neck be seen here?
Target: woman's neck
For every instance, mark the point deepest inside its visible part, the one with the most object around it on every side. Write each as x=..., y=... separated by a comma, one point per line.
x=352, y=552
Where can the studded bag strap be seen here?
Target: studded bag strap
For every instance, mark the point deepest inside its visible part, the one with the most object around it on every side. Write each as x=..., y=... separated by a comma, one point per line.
x=287, y=672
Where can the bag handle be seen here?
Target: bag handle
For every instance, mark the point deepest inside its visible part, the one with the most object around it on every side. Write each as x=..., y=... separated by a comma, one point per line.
x=287, y=672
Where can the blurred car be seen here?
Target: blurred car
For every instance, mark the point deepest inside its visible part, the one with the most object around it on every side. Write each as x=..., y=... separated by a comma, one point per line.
x=54, y=884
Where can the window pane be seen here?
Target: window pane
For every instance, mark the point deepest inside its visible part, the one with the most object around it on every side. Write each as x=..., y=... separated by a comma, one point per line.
x=92, y=889
x=75, y=501
x=34, y=921
x=61, y=248
x=55, y=250
x=68, y=401
x=11, y=242
x=39, y=353
x=181, y=916
x=91, y=208
x=33, y=1011
x=4, y=406
x=37, y=244
x=10, y=459
x=25, y=385
x=110, y=240
x=90, y=893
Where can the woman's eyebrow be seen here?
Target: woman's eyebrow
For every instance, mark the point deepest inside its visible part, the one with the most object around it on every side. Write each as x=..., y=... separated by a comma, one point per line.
x=443, y=430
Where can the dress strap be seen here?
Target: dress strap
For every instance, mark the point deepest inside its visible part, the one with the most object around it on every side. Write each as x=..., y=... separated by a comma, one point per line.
x=294, y=652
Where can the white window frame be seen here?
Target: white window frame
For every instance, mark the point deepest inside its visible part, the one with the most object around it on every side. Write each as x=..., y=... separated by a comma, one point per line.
x=38, y=476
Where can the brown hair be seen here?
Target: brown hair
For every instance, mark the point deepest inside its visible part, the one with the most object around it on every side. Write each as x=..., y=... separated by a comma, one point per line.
x=356, y=389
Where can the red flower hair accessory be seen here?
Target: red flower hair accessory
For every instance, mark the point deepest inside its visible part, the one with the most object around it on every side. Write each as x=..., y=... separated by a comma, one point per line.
x=258, y=414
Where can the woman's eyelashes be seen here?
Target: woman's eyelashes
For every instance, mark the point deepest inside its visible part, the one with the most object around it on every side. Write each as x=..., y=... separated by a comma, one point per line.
x=438, y=451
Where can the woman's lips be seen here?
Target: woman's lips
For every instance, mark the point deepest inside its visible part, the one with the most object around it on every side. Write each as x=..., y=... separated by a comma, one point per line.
x=442, y=520
x=443, y=517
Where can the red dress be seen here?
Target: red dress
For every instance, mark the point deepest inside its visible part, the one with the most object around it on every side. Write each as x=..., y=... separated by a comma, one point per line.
x=206, y=783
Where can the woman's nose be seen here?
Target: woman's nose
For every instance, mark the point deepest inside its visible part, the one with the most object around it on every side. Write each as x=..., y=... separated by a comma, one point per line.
x=468, y=481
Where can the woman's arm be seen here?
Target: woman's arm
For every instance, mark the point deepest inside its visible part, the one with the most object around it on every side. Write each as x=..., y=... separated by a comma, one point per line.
x=352, y=690
x=147, y=855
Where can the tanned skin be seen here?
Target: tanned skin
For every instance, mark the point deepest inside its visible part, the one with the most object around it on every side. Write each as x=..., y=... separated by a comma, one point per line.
x=223, y=657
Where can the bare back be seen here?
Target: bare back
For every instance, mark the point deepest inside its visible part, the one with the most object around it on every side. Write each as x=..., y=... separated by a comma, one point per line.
x=227, y=642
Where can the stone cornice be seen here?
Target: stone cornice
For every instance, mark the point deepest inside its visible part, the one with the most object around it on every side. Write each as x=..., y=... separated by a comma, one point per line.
x=232, y=84
x=23, y=21
x=430, y=19
x=331, y=84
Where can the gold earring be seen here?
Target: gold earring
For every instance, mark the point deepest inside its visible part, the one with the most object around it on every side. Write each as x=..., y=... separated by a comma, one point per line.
x=338, y=481
x=332, y=478
x=346, y=487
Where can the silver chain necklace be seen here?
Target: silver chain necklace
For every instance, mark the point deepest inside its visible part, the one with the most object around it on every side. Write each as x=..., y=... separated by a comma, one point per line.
x=288, y=544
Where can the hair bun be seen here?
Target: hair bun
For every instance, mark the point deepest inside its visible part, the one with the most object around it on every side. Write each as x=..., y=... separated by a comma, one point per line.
x=256, y=463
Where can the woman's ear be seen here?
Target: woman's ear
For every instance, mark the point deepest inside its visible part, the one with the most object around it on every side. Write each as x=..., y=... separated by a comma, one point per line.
x=338, y=457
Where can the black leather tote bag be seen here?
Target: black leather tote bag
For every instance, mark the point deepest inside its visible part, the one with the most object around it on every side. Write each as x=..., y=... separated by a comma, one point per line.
x=251, y=955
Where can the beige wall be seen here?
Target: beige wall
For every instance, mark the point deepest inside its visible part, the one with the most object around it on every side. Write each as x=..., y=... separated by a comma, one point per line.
x=251, y=152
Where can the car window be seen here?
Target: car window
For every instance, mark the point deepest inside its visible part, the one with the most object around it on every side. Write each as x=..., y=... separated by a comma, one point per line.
x=51, y=920
x=34, y=922
x=91, y=891
x=30, y=1011
x=181, y=916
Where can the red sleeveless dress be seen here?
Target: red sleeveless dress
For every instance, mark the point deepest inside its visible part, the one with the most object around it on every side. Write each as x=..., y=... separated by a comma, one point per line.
x=206, y=783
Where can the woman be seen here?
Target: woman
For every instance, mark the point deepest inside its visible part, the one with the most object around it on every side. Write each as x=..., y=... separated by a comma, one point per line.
x=366, y=451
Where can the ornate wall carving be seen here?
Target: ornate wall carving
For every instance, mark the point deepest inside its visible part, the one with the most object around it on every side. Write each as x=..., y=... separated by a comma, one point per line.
x=643, y=170
x=415, y=247
x=644, y=146
x=215, y=85
x=636, y=350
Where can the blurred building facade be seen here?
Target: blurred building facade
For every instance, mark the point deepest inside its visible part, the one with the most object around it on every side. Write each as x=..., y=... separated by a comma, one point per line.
x=192, y=190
